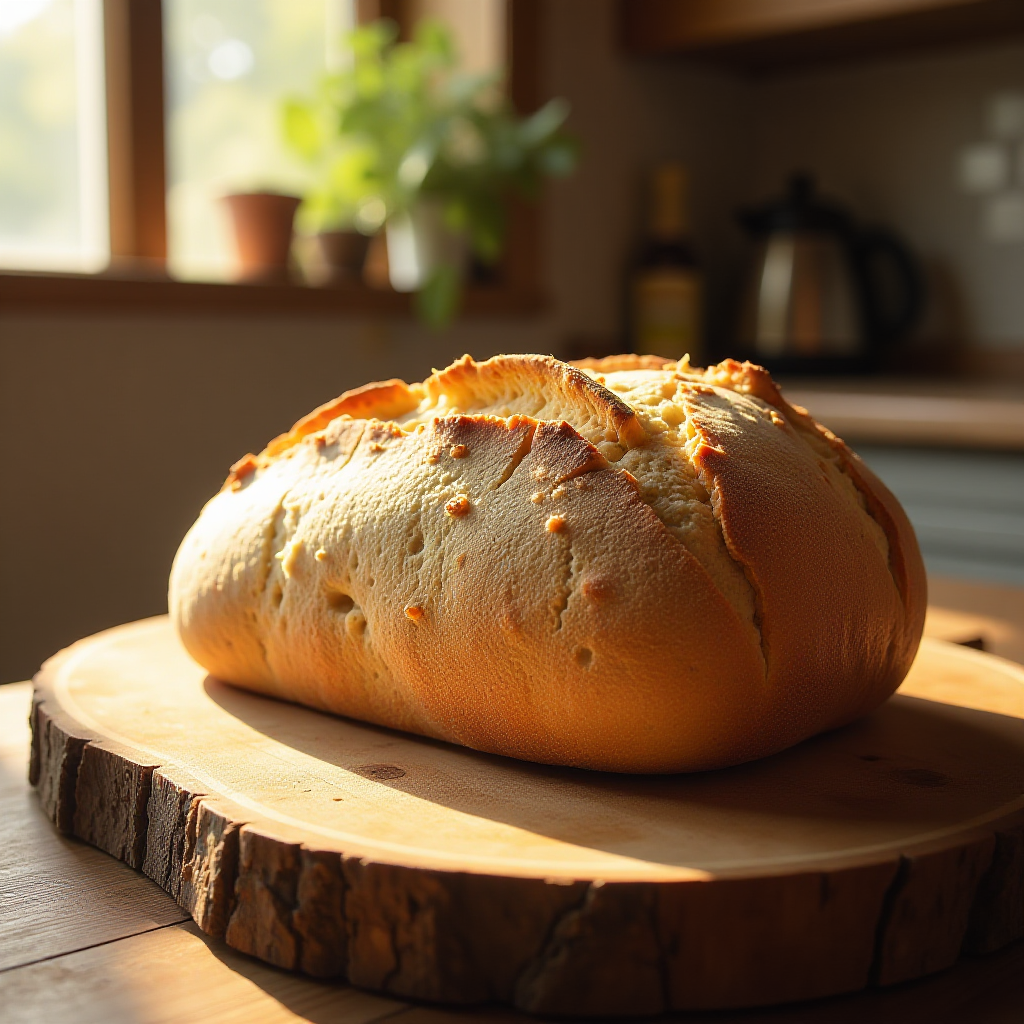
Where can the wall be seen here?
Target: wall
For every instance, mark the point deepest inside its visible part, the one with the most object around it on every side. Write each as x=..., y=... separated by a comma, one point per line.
x=120, y=427
x=888, y=138
x=629, y=114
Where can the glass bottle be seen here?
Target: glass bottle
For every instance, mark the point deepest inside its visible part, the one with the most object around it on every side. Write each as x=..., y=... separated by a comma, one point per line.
x=666, y=283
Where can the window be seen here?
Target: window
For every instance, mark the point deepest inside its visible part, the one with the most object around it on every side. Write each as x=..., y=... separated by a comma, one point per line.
x=53, y=155
x=228, y=63
x=124, y=122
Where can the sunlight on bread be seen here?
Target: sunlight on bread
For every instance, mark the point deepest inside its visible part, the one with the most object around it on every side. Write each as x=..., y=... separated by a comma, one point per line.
x=626, y=564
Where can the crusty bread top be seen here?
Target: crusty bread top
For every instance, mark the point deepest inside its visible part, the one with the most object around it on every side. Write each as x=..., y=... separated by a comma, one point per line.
x=633, y=410
x=630, y=564
x=538, y=382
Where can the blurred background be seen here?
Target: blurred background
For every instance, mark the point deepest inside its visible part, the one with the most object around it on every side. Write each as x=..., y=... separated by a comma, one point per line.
x=834, y=190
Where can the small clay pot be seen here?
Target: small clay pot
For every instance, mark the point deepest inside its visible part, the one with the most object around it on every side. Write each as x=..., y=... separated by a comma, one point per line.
x=263, y=234
x=339, y=256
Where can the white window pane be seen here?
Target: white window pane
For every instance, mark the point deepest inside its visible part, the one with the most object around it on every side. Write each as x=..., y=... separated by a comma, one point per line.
x=53, y=167
x=229, y=64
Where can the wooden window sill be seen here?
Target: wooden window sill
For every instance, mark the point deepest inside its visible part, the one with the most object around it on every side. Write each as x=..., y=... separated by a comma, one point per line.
x=57, y=293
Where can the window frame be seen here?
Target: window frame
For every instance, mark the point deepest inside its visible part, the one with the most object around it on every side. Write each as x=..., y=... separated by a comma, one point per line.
x=136, y=278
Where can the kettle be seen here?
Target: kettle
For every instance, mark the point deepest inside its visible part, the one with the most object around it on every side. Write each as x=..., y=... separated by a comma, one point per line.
x=824, y=294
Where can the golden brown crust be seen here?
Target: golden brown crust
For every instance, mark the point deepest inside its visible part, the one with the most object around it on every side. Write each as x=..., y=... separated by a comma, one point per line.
x=905, y=564
x=527, y=561
x=383, y=400
x=470, y=383
x=827, y=601
x=626, y=361
x=904, y=558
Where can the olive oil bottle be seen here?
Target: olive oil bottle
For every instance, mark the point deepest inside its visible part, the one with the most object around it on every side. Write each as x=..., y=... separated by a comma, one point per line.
x=666, y=284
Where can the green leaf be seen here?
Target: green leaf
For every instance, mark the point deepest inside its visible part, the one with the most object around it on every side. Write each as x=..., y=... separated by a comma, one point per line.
x=302, y=129
x=437, y=301
x=559, y=158
x=544, y=123
x=402, y=122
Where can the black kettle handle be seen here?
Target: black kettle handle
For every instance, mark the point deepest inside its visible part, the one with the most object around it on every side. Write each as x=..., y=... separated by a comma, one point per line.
x=885, y=327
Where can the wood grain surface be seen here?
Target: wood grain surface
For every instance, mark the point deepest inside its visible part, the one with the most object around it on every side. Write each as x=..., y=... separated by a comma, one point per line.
x=57, y=895
x=134, y=981
x=868, y=856
x=987, y=616
x=176, y=974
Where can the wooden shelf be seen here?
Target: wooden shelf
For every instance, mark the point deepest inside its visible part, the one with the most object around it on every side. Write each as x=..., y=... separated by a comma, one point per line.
x=766, y=35
x=78, y=292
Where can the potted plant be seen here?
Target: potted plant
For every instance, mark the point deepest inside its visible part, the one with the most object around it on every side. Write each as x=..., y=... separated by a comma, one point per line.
x=401, y=139
x=262, y=223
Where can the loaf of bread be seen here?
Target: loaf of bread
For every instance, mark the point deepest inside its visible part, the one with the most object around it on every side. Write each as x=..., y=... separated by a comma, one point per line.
x=624, y=564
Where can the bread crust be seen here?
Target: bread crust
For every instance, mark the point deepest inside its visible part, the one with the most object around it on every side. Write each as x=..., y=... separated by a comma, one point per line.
x=627, y=565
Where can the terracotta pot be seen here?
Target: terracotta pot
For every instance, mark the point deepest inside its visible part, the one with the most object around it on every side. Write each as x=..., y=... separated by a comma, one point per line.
x=338, y=256
x=263, y=234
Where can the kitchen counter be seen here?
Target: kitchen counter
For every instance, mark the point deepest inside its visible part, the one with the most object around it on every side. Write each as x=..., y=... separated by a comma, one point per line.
x=84, y=938
x=901, y=411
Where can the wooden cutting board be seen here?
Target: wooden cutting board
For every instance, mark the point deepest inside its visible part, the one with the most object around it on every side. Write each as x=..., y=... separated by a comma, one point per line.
x=867, y=856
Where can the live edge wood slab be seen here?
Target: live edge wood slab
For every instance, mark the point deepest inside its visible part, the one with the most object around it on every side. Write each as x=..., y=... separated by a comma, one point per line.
x=868, y=856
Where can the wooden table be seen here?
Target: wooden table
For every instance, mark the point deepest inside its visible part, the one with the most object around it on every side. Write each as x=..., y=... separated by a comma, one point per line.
x=84, y=938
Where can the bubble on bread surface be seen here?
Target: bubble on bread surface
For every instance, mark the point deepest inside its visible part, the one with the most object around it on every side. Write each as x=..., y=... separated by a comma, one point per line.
x=414, y=612
x=458, y=506
x=597, y=588
x=340, y=602
x=584, y=657
x=458, y=451
x=320, y=555
x=288, y=556
x=556, y=524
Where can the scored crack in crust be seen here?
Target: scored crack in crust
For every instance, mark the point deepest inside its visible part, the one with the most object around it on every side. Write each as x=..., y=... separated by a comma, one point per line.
x=628, y=564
